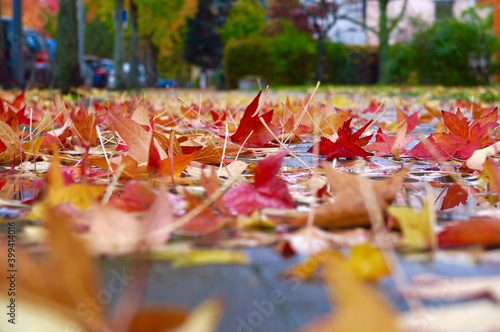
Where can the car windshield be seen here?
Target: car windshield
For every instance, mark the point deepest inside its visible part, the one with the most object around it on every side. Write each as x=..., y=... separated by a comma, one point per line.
x=33, y=42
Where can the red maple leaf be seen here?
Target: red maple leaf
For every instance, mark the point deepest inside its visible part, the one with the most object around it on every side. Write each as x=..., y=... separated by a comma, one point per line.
x=373, y=107
x=386, y=145
x=267, y=190
x=411, y=120
x=347, y=145
x=464, y=137
x=252, y=130
x=455, y=195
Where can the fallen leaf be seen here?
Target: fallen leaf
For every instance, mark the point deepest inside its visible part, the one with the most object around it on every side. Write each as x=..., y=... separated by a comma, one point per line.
x=135, y=136
x=358, y=307
x=267, y=191
x=115, y=232
x=81, y=196
x=168, y=167
x=472, y=232
x=455, y=195
x=347, y=145
x=365, y=261
x=416, y=226
x=158, y=318
x=386, y=145
x=251, y=130
x=204, y=318
x=349, y=208
x=478, y=158
x=10, y=142
x=60, y=281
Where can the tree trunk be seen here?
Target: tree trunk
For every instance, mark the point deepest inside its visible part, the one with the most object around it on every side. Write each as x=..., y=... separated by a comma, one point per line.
x=5, y=75
x=151, y=69
x=134, y=51
x=119, y=77
x=320, y=57
x=67, y=67
x=384, y=74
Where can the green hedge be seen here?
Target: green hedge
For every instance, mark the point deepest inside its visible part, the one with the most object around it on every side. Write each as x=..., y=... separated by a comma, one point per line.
x=451, y=52
x=278, y=60
x=351, y=64
x=282, y=60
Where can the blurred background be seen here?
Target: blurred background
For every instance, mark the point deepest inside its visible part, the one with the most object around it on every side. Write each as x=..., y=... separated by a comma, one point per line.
x=229, y=44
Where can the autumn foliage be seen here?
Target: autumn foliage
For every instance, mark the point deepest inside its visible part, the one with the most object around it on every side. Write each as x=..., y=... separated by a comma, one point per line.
x=350, y=181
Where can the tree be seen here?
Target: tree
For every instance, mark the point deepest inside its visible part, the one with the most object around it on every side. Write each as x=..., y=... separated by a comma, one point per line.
x=385, y=27
x=119, y=46
x=67, y=65
x=134, y=50
x=159, y=25
x=246, y=19
x=203, y=46
x=99, y=38
x=5, y=75
x=36, y=14
x=314, y=16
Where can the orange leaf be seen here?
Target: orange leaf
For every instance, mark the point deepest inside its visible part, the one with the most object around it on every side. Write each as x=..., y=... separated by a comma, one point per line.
x=11, y=142
x=134, y=134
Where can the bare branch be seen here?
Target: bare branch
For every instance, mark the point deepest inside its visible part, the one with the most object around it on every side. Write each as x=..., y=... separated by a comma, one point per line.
x=360, y=23
x=400, y=16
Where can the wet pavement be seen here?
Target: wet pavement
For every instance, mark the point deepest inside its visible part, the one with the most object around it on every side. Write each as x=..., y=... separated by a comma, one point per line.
x=257, y=298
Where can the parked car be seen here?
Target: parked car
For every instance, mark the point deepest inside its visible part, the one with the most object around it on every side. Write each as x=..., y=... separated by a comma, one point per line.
x=142, y=73
x=101, y=72
x=44, y=69
x=167, y=82
x=126, y=75
x=28, y=56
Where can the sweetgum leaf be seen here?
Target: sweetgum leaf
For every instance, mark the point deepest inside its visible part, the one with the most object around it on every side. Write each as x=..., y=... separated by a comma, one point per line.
x=251, y=121
x=266, y=192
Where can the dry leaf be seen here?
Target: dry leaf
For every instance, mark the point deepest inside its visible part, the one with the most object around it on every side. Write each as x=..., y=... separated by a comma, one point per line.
x=11, y=141
x=349, y=207
x=79, y=195
x=417, y=226
x=357, y=306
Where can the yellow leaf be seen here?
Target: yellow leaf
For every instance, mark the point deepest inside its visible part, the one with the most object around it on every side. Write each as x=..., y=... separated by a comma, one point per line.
x=367, y=262
x=358, y=306
x=305, y=270
x=415, y=225
x=78, y=194
x=32, y=148
x=255, y=221
x=196, y=257
x=184, y=257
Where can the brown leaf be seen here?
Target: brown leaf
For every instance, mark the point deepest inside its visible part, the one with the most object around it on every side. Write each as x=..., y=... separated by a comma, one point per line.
x=472, y=232
x=11, y=142
x=158, y=318
x=65, y=278
x=137, y=138
x=349, y=207
x=211, y=184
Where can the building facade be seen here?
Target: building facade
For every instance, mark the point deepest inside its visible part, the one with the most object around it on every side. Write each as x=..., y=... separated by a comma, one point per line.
x=418, y=14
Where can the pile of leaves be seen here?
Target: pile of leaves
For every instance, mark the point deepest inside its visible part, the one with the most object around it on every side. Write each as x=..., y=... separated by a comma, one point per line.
x=319, y=174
